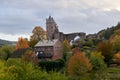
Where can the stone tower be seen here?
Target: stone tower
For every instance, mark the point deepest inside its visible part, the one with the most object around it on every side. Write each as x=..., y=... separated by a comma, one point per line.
x=52, y=29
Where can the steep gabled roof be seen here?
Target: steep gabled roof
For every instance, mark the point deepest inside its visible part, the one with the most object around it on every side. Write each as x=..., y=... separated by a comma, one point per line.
x=46, y=43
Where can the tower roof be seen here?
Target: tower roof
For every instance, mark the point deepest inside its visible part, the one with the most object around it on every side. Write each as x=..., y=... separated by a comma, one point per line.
x=50, y=19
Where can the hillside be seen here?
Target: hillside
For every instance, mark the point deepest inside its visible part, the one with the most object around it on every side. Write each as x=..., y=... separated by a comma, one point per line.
x=106, y=33
x=5, y=42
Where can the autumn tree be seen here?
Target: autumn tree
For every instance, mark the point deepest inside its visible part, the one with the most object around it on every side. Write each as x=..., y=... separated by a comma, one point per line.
x=117, y=58
x=78, y=64
x=106, y=50
x=115, y=41
x=38, y=34
x=21, y=44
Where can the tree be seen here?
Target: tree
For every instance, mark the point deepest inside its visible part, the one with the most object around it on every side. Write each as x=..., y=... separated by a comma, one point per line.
x=115, y=41
x=21, y=44
x=106, y=50
x=38, y=34
x=5, y=52
x=66, y=49
x=97, y=60
x=82, y=42
x=99, y=67
x=32, y=43
x=88, y=53
x=89, y=42
x=78, y=64
x=117, y=58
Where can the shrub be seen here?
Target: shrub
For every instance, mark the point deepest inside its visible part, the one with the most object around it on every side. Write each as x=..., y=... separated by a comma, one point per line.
x=15, y=69
x=52, y=65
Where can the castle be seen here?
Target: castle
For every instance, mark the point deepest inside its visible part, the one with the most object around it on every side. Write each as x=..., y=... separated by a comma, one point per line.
x=54, y=33
x=52, y=48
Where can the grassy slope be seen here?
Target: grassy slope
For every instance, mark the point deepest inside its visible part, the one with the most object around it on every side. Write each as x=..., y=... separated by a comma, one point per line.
x=114, y=73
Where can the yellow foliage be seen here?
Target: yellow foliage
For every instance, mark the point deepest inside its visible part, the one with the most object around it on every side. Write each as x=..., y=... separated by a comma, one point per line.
x=97, y=55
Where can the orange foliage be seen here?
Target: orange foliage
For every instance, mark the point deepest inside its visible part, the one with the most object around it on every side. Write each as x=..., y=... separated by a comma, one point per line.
x=21, y=44
x=78, y=64
x=106, y=49
x=117, y=58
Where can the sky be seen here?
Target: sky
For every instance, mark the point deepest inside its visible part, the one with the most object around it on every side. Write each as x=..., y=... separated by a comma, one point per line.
x=19, y=17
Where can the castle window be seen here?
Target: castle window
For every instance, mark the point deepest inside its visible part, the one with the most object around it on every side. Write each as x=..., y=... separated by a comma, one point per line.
x=41, y=52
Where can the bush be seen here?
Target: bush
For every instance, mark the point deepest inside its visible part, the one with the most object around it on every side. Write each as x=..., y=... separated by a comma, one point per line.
x=15, y=69
x=52, y=65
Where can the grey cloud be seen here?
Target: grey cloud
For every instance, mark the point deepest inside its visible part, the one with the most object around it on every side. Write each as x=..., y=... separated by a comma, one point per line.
x=20, y=16
x=92, y=21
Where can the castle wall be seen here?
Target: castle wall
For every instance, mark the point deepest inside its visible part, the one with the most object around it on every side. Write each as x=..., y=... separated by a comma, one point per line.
x=71, y=36
x=53, y=31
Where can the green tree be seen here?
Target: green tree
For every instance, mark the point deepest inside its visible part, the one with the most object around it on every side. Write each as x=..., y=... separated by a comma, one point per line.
x=90, y=42
x=66, y=50
x=107, y=33
x=5, y=52
x=32, y=43
x=88, y=53
x=99, y=70
x=97, y=60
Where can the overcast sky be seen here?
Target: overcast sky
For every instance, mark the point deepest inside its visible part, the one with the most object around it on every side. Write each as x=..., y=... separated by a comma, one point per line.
x=19, y=17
